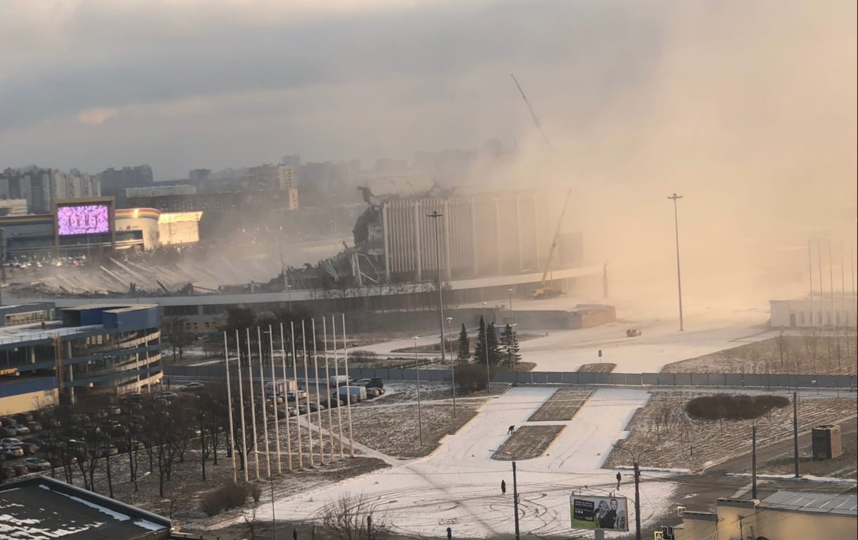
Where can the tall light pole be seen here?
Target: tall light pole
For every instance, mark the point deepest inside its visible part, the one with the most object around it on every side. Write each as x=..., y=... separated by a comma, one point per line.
x=486, y=347
x=452, y=362
x=419, y=407
x=510, y=307
x=435, y=215
x=675, y=198
x=636, y=458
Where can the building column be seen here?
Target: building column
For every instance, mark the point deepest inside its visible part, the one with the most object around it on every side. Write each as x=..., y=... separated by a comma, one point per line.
x=498, y=236
x=386, y=242
x=417, y=247
x=474, y=257
x=519, y=229
x=449, y=269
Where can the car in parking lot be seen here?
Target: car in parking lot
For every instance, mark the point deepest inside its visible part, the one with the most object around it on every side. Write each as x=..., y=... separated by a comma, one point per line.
x=7, y=473
x=21, y=430
x=20, y=469
x=35, y=464
x=299, y=394
x=113, y=410
x=192, y=387
x=12, y=452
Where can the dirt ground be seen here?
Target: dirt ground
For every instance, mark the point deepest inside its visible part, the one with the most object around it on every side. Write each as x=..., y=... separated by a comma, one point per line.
x=678, y=442
x=528, y=442
x=597, y=368
x=372, y=423
x=562, y=406
x=808, y=354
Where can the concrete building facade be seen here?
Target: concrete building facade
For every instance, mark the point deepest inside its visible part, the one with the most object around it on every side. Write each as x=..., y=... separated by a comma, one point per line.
x=827, y=310
x=41, y=187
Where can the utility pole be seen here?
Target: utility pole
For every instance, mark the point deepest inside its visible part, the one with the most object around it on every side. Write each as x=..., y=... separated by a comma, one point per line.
x=754, y=461
x=511, y=317
x=810, y=274
x=636, y=460
x=435, y=215
x=419, y=405
x=675, y=198
x=486, y=347
x=452, y=362
x=515, y=501
x=795, y=432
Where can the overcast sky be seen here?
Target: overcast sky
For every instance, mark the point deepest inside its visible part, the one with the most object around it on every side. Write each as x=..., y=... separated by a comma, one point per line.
x=183, y=84
x=217, y=83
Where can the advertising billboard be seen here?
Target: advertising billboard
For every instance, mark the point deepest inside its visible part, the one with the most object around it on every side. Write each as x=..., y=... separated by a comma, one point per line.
x=83, y=219
x=599, y=513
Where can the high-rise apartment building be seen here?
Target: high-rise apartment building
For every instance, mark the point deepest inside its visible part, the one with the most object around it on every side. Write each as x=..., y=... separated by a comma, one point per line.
x=114, y=182
x=271, y=178
x=40, y=187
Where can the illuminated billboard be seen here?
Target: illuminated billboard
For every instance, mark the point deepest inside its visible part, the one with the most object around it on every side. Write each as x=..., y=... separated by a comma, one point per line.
x=83, y=219
x=599, y=513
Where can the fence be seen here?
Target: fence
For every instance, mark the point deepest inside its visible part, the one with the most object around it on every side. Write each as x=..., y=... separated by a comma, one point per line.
x=217, y=372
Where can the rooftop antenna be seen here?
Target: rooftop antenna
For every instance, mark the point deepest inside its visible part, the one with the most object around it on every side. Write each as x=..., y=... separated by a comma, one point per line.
x=532, y=113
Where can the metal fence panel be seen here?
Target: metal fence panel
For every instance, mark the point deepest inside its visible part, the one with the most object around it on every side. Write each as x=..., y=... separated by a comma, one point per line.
x=586, y=378
x=666, y=379
x=634, y=379
x=616, y=378
x=683, y=379
x=570, y=377
x=733, y=379
x=650, y=379
x=554, y=377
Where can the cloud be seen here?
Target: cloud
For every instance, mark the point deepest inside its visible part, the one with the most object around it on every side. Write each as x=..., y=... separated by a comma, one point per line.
x=96, y=116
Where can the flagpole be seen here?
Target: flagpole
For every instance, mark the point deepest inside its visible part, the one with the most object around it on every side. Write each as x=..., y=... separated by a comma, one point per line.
x=328, y=387
x=349, y=393
x=286, y=398
x=253, y=406
x=241, y=404
x=298, y=418
x=274, y=399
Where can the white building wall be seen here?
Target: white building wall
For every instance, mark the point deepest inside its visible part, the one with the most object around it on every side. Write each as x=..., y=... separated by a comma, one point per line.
x=825, y=310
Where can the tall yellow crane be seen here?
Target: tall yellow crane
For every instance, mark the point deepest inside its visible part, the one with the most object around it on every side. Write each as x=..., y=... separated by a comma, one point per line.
x=546, y=290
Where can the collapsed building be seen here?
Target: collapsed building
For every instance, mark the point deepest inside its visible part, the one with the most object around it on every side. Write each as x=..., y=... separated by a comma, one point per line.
x=473, y=234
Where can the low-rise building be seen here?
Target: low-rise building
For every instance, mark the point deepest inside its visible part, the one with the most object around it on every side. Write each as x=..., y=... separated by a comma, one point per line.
x=48, y=355
x=826, y=310
x=41, y=507
x=786, y=515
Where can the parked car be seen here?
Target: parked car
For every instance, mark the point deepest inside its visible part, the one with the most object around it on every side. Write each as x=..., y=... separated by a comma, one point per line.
x=133, y=397
x=7, y=421
x=192, y=387
x=315, y=407
x=23, y=418
x=356, y=393
x=34, y=464
x=118, y=430
x=633, y=332
x=107, y=449
x=299, y=394
x=20, y=469
x=114, y=410
x=7, y=432
x=376, y=382
x=7, y=473
x=12, y=452
x=21, y=430
x=11, y=442
x=372, y=393
x=338, y=380
x=34, y=426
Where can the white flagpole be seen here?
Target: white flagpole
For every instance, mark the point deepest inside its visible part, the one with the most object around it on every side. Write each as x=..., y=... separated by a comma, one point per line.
x=298, y=418
x=328, y=387
x=253, y=405
x=264, y=403
x=349, y=393
x=229, y=401
x=318, y=396
x=307, y=384
x=286, y=399
x=274, y=399
x=337, y=375
x=241, y=402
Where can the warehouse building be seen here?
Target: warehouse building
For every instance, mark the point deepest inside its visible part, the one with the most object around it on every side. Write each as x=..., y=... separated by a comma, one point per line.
x=818, y=311
x=49, y=355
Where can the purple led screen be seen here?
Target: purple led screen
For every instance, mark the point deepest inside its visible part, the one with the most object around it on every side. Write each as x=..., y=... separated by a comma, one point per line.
x=87, y=219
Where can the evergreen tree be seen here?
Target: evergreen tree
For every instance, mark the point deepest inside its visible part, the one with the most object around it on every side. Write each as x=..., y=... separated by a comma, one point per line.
x=493, y=345
x=464, y=345
x=509, y=341
x=480, y=349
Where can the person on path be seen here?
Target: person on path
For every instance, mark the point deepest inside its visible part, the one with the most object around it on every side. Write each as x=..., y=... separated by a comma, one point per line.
x=511, y=430
x=619, y=478
x=503, y=487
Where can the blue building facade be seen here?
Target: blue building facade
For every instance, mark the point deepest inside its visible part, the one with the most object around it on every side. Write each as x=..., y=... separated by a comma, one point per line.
x=49, y=355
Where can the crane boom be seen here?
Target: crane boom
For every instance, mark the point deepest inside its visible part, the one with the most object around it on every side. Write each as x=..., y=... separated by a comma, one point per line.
x=546, y=291
x=532, y=112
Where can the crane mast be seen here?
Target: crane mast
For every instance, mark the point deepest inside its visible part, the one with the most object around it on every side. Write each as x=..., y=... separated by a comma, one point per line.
x=532, y=113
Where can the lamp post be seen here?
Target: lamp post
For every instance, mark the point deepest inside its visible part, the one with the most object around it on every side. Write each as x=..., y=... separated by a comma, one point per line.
x=636, y=458
x=419, y=409
x=675, y=198
x=452, y=362
x=435, y=215
x=486, y=347
x=510, y=307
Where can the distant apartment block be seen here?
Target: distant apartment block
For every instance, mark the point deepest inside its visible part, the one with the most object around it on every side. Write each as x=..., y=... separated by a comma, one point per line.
x=271, y=178
x=160, y=191
x=13, y=207
x=114, y=182
x=40, y=187
x=199, y=176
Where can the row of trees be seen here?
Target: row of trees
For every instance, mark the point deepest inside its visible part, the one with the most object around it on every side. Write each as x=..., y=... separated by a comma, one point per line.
x=504, y=352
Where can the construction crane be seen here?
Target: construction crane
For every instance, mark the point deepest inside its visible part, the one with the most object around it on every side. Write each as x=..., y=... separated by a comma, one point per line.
x=532, y=113
x=545, y=290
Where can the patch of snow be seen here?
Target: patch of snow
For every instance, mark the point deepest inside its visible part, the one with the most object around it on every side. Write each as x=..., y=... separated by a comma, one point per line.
x=115, y=515
x=148, y=525
x=806, y=477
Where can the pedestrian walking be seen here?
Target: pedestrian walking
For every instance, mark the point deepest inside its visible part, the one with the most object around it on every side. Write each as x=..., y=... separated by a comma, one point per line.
x=511, y=430
x=503, y=487
x=619, y=478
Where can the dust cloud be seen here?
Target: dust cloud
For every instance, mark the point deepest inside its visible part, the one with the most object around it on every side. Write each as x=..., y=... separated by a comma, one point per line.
x=750, y=114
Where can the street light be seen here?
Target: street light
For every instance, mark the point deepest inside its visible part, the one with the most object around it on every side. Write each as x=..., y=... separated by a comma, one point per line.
x=486, y=347
x=452, y=362
x=675, y=198
x=636, y=458
x=419, y=409
x=510, y=306
x=435, y=215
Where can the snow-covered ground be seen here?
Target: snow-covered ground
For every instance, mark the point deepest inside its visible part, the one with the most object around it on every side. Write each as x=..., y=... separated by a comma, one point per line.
x=459, y=485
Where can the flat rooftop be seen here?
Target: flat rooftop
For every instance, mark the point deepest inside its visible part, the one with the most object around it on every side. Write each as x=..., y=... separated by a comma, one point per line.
x=816, y=503
x=44, y=509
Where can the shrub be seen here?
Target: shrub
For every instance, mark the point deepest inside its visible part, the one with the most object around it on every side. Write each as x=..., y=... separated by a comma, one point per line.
x=230, y=495
x=470, y=378
x=733, y=407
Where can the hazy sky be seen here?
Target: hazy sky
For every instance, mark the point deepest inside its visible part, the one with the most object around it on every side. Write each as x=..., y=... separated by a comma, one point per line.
x=216, y=83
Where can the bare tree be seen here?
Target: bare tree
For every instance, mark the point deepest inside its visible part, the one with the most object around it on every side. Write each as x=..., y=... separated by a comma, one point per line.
x=348, y=519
